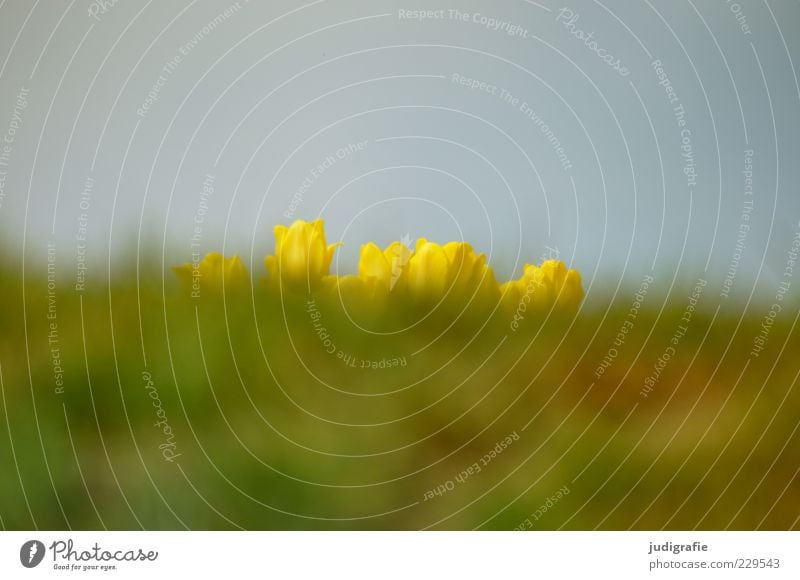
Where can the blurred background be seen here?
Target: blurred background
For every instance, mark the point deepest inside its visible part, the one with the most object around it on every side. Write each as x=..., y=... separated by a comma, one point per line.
x=649, y=146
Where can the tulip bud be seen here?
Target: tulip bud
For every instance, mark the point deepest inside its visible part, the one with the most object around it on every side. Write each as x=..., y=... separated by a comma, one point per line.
x=302, y=256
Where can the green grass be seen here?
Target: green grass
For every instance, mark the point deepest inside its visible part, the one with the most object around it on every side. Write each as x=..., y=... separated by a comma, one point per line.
x=275, y=433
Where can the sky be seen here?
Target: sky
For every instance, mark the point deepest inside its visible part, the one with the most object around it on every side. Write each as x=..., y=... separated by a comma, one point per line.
x=628, y=139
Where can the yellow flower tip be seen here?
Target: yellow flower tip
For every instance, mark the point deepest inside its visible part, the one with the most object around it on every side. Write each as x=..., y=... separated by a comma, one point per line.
x=280, y=233
x=454, y=249
x=554, y=271
x=302, y=255
x=388, y=268
x=428, y=271
x=397, y=251
x=464, y=263
x=572, y=292
x=453, y=270
x=472, y=280
x=397, y=256
x=550, y=283
x=372, y=263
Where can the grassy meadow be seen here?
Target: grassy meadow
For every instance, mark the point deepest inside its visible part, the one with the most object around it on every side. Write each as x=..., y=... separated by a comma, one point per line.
x=131, y=405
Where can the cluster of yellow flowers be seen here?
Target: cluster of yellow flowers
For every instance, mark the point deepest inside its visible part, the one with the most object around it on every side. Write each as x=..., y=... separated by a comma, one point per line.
x=428, y=274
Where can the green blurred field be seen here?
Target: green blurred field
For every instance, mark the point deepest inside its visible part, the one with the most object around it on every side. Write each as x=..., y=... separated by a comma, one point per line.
x=273, y=432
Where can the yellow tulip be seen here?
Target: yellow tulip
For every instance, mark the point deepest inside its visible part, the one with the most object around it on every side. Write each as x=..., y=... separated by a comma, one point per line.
x=372, y=264
x=454, y=270
x=388, y=268
x=543, y=286
x=566, y=284
x=428, y=272
x=470, y=276
x=212, y=273
x=302, y=256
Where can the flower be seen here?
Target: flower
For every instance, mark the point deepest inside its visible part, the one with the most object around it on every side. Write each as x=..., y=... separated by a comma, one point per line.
x=453, y=273
x=387, y=268
x=471, y=277
x=428, y=272
x=454, y=270
x=302, y=255
x=543, y=286
x=213, y=273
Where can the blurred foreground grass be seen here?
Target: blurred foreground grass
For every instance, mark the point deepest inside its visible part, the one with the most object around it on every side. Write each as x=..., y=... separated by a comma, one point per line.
x=446, y=426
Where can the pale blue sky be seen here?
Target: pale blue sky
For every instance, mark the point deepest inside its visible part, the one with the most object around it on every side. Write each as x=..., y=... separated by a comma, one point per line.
x=261, y=95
